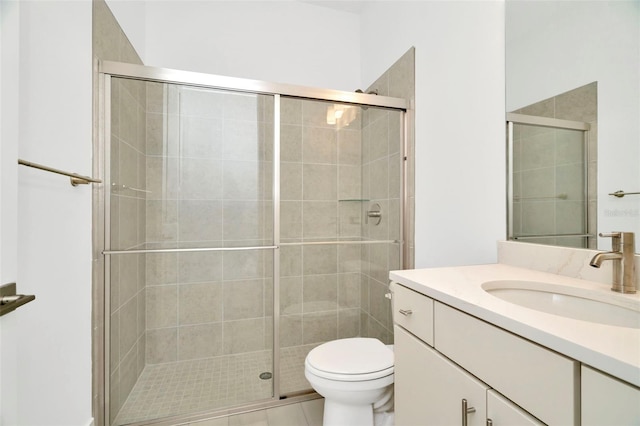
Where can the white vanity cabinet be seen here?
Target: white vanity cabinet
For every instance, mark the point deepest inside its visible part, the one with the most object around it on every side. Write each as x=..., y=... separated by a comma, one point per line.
x=475, y=361
x=608, y=401
x=430, y=389
x=502, y=412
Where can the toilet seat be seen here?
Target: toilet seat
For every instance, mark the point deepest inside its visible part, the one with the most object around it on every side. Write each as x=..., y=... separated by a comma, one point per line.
x=350, y=360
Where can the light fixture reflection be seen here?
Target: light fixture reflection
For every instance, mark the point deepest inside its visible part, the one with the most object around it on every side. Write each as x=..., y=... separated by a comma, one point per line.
x=341, y=115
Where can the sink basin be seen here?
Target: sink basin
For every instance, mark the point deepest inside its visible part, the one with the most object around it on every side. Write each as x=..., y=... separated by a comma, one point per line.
x=596, y=306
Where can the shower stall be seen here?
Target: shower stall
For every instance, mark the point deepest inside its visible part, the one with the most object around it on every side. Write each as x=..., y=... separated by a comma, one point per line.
x=242, y=223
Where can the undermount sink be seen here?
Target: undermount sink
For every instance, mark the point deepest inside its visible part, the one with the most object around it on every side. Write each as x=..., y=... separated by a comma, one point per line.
x=596, y=306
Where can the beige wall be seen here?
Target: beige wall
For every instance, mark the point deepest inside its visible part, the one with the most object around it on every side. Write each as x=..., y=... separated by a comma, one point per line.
x=321, y=165
x=209, y=181
x=127, y=213
x=382, y=184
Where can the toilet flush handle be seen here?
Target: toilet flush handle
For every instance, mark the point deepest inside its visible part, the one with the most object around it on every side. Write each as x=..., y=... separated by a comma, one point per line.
x=405, y=312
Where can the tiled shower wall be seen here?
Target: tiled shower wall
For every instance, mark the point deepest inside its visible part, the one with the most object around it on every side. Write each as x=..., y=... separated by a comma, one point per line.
x=321, y=189
x=127, y=219
x=382, y=174
x=127, y=296
x=548, y=163
x=209, y=179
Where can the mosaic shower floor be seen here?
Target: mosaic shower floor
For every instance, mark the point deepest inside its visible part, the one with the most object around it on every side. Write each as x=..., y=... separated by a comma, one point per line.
x=205, y=384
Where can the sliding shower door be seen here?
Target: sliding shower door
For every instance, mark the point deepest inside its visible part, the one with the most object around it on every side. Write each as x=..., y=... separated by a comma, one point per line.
x=550, y=200
x=340, y=226
x=190, y=249
x=244, y=226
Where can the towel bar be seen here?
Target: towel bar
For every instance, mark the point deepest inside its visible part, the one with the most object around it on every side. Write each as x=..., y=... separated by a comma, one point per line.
x=10, y=301
x=76, y=179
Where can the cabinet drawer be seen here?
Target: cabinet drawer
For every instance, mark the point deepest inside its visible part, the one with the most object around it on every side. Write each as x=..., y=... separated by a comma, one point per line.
x=539, y=380
x=413, y=311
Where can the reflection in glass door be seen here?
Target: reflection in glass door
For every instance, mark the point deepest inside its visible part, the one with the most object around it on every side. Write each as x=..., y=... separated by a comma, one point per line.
x=190, y=249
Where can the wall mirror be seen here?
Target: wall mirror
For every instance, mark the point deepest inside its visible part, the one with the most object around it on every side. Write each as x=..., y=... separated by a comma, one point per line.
x=573, y=108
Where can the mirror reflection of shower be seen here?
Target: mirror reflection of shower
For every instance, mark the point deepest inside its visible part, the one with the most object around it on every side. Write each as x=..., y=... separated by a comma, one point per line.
x=552, y=165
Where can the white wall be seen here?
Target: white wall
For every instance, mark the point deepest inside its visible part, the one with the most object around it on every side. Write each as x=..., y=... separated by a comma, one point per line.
x=277, y=41
x=460, y=137
x=53, y=102
x=9, y=324
x=130, y=15
x=554, y=47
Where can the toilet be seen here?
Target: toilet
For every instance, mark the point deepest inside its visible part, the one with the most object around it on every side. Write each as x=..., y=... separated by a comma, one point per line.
x=355, y=377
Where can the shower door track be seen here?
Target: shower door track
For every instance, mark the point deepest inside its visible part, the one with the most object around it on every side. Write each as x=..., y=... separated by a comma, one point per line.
x=103, y=252
x=190, y=78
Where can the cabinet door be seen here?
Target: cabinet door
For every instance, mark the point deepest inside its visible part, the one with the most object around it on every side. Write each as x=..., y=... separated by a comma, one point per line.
x=429, y=388
x=539, y=380
x=503, y=412
x=608, y=401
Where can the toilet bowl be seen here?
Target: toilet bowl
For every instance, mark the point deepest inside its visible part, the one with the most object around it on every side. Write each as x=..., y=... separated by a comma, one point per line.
x=355, y=376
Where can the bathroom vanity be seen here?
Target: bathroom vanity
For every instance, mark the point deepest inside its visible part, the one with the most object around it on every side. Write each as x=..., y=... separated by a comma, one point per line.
x=469, y=351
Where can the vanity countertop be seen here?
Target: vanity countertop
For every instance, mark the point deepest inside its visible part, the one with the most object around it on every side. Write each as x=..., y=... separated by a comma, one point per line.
x=614, y=350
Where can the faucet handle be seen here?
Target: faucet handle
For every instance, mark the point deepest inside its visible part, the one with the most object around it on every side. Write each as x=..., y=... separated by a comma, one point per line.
x=615, y=239
x=610, y=234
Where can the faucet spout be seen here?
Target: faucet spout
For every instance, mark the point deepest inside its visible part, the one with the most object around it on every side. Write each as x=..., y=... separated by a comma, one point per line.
x=597, y=260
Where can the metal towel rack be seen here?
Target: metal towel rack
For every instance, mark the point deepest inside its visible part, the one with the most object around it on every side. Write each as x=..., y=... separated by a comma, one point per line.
x=76, y=179
x=621, y=193
x=10, y=301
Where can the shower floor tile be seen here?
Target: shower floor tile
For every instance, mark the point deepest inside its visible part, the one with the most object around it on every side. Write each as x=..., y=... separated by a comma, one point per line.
x=206, y=384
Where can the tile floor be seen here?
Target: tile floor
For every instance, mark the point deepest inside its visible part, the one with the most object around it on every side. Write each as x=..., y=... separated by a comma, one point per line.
x=183, y=387
x=308, y=413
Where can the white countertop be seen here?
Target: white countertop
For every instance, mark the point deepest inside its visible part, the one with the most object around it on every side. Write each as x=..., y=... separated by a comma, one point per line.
x=614, y=350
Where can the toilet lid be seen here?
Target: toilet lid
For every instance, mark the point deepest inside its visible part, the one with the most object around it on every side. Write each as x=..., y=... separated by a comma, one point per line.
x=355, y=356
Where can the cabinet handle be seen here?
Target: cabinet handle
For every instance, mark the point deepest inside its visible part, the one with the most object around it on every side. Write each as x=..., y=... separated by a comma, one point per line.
x=406, y=312
x=466, y=410
x=489, y=422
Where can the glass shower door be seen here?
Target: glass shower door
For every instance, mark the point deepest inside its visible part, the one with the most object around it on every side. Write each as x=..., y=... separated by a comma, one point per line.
x=549, y=185
x=340, y=226
x=189, y=249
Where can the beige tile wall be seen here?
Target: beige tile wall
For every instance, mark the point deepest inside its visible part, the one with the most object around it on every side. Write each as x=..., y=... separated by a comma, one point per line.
x=127, y=220
x=127, y=296
x=209, y=173
x=549, y=162
x=331, y=175
x=382, y=178
x=320, y=165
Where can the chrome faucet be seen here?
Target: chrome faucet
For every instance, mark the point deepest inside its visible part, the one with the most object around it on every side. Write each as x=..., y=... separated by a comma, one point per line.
x=623, y=255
